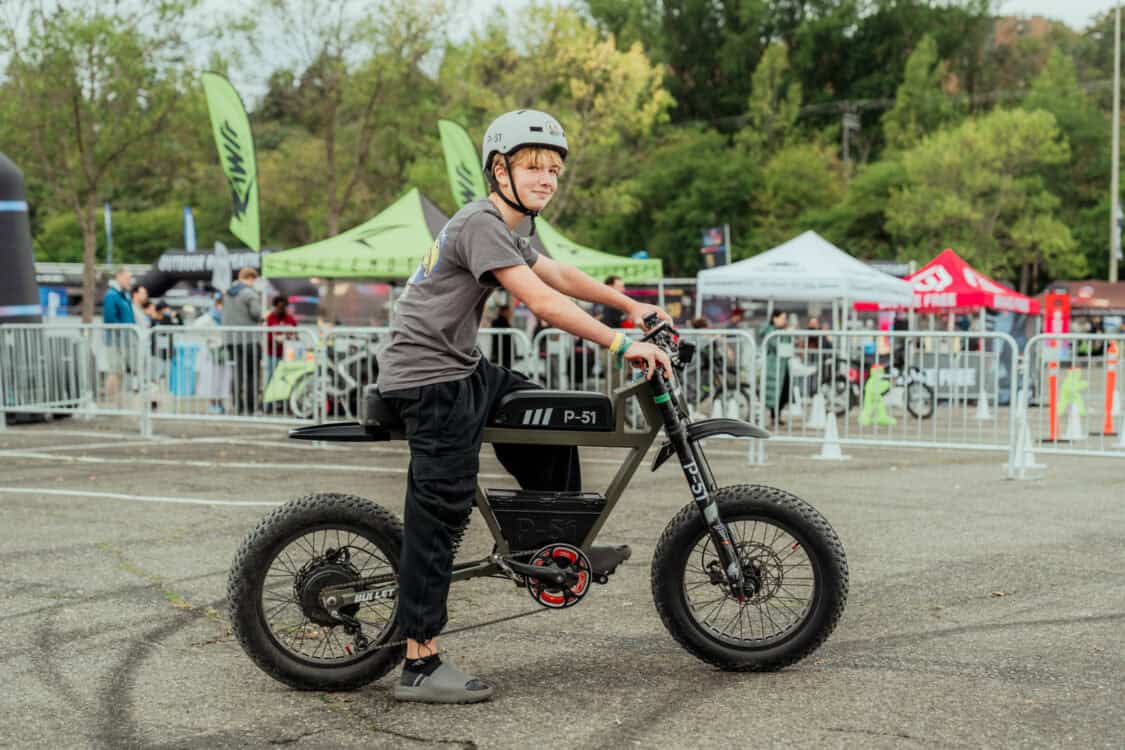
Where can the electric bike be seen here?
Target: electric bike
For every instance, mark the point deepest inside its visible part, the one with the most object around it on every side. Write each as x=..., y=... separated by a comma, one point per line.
x=744, y=577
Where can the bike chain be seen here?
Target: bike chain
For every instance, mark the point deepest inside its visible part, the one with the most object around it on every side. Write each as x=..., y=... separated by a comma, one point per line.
x=467, y=628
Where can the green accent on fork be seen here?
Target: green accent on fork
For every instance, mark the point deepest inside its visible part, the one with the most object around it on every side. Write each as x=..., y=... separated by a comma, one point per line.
x=663, y=398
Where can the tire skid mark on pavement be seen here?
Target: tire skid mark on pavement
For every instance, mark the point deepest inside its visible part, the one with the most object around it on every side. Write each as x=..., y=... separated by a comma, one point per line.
x=50, y=646
x=106, y=596
x=851, y=646
x=1018, y=675
x=116, y=726
x=639, y=722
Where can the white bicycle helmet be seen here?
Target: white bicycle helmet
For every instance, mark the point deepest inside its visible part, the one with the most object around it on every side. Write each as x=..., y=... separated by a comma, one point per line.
x=512, y=131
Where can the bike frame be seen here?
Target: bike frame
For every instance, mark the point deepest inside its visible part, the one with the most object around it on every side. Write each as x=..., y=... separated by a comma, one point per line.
x=662, y=406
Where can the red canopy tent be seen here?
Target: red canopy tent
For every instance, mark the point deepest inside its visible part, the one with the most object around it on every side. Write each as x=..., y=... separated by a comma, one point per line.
x=948, y=284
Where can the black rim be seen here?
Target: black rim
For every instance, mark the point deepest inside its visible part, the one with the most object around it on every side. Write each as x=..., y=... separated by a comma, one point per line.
x=783, y=565
x=920, y=398
x=307, y=555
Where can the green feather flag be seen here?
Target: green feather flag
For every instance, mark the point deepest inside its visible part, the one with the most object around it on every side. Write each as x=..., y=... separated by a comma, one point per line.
x=236, y=154
x=462, y=162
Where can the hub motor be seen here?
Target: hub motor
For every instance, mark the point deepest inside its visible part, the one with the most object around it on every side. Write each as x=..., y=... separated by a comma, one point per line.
x=317, y=575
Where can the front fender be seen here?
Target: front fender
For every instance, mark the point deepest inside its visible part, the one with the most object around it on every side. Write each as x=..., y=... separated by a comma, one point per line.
x=709, y=428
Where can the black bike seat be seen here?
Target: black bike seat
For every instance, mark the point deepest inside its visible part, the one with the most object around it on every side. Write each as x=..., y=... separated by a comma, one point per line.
x=381, y=415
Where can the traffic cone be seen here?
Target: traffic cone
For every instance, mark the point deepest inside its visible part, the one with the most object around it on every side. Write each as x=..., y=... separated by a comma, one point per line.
x=1074, y=429
x=830, y=448
x=983, y=412
x=1112, y=405
x=796, y=404
x=1024, y=457
x=716, y=407
x=816, y=419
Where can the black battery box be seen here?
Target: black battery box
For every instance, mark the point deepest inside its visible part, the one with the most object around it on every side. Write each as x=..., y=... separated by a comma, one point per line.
x=531, y=519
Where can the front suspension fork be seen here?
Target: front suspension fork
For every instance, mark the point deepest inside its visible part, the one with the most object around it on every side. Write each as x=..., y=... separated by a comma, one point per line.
x=701, y=483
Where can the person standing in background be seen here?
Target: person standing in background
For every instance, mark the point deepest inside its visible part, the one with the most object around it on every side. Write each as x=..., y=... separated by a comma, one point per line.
x=117, y=309
x=242, y=307
x=502, y=345
x=140, y=301
x=611, y=316
x=278, y=317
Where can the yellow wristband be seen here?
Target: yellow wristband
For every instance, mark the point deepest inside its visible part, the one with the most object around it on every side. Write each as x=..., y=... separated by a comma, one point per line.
x=618, y=342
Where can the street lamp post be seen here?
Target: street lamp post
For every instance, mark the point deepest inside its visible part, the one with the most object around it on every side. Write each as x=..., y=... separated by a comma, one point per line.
x=1114, y=236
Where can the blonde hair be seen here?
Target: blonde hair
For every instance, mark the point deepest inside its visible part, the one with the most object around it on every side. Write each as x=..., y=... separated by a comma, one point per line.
x=531, y=156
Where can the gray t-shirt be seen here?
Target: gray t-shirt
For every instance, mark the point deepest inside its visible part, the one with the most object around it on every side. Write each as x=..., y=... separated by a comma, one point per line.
x=437, y=318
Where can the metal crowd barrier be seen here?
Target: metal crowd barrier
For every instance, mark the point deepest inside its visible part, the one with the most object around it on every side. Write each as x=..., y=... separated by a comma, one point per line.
x=719, y=381
x=1071, y=389
x=231, y=372
x=959, y=390
x=85, y=369
x=887, y=388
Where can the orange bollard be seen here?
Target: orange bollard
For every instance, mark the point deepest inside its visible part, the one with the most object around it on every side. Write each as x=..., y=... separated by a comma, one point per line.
x=1110, y=389
x=1053, y=393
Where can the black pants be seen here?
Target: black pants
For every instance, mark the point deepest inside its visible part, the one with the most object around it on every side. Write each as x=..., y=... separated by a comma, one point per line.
x=247, y=359
x=444, y=423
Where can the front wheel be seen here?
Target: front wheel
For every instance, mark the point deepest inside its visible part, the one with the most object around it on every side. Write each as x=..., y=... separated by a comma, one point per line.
x=794, y=559
x=274, y=590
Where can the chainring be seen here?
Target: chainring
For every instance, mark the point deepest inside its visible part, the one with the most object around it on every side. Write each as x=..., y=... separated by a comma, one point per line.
x=574, y=564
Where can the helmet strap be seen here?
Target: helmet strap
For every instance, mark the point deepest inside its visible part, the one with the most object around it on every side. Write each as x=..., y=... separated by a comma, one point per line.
x=518, y=203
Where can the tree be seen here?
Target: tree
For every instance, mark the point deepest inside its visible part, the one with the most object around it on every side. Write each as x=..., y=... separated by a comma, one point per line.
x=608, y=100
x=92, y=88
x=709, y=47
x=1080, y=182
x=797, y=179
x=921, y=106
x=979, y=188
x=773, y=106
x=685, y=180
x=859, y=223
x=358, y=96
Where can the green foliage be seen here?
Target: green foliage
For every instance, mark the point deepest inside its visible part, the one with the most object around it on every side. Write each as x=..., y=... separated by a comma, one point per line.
x=979, y=188
x=921, y=106
x=686, y=181
x=138, y=236
x=799, y=178
x=682, y=114
x=774, y=105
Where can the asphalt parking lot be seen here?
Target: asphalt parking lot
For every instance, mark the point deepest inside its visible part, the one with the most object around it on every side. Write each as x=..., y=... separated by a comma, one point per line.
x=982, y=612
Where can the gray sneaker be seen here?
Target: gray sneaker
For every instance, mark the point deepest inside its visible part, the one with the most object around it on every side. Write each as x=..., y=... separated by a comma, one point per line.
x=447, y=684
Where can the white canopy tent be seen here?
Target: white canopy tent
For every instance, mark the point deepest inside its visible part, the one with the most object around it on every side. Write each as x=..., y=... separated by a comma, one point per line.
x=807, y=268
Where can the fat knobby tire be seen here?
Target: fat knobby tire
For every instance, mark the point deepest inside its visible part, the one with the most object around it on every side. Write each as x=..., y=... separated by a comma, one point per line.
x=747, y=502
x=249, y=569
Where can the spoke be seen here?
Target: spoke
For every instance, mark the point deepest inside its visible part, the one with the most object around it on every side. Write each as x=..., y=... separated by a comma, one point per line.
x=287, y=564
x=738, y=612
x=273, y=612
x=696, y=585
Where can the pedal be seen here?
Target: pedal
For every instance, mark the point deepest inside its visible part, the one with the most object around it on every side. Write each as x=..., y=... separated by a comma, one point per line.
x=604, y=559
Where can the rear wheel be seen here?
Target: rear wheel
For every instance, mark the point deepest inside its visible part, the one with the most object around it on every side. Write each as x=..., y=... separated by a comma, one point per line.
x=302, y=399
x=919, y=400
x=281, y=568
x=790, y=555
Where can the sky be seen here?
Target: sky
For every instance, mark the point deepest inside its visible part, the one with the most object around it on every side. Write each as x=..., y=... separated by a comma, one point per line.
x=1075, y=13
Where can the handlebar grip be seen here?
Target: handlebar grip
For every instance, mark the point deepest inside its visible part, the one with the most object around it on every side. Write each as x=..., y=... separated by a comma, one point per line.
x=651, y=320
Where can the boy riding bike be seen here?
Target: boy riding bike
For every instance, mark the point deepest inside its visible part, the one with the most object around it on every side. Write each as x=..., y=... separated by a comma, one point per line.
x=433, y=375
